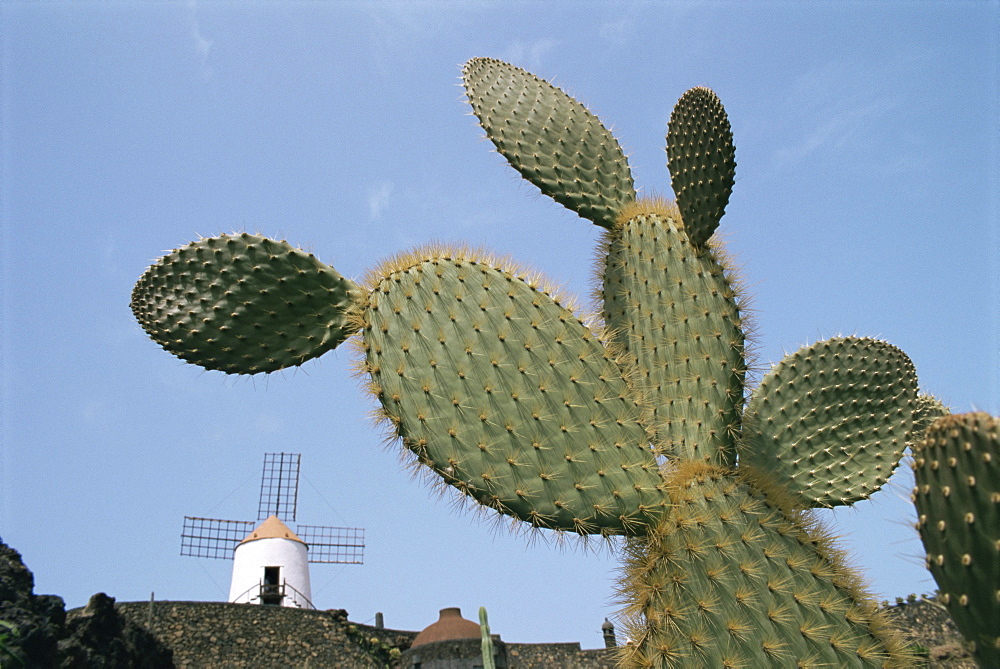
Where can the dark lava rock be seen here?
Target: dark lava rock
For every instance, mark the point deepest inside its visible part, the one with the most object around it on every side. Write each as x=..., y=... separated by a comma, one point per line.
x=37, y=632
x=36, y=621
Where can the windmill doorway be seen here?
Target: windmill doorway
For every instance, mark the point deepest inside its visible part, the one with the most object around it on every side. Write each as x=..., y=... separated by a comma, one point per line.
x=270, y=590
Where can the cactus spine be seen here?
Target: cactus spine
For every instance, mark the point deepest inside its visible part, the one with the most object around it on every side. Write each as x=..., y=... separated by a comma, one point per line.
x=638, y=429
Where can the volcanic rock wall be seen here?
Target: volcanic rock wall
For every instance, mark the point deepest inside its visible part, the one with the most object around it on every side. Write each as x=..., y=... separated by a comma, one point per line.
x=237, y=636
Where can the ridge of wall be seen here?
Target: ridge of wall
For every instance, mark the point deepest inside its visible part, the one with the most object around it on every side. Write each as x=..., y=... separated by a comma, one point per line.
x=241, y=636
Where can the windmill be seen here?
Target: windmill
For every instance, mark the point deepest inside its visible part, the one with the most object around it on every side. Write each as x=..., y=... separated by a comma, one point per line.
x=270, y=561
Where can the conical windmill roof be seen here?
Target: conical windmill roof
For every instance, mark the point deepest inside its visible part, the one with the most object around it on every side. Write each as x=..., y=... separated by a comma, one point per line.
x=272, y=528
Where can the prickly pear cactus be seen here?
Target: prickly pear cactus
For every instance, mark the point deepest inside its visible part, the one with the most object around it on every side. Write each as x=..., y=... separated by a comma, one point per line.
x=957, y=494
x=643, y=428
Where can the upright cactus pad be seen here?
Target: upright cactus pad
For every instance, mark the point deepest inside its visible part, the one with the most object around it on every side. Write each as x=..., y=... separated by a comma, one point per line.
x=639, y=429
x=672, y=307
x=957, y=494
x=702, y=161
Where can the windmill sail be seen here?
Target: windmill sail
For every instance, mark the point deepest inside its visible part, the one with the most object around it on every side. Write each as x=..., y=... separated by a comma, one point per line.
x=213, y=538
x=279, y=486
x=333, y=545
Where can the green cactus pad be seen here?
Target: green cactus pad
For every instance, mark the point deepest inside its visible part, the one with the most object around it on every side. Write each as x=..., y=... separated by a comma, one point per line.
x=551, y=139
x=244, y=304
x=928, y=410
x=702, y=161
x=733, y=577
x=957, y=494
x=832, y=419
x=672, y=308
x=506, y=395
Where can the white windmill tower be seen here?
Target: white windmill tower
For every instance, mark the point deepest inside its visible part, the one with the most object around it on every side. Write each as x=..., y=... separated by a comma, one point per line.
x=270, y=561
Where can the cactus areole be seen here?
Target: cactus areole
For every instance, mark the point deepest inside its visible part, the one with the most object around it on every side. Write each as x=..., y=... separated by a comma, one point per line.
x=644, y=428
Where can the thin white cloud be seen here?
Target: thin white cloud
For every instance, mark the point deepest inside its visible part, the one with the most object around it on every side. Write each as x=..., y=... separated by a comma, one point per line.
x=269, y=424
x=617, y=31
x=378, y=200
x=528, y=55
x=833, y=112
x=202, y=45
x=95, y=411
x=400, y=25
x=841, y=129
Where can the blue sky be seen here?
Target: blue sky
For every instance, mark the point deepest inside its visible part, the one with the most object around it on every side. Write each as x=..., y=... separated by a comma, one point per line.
x=865, y=203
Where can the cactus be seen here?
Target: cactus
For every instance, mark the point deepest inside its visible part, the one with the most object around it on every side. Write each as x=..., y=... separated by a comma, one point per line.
x=486, y=642
x=957, y=495
x=640, y=428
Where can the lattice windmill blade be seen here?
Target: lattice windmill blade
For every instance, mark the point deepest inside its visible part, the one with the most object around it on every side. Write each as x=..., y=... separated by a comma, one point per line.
x=333, y=545
x=279, y=486
x=213, y=538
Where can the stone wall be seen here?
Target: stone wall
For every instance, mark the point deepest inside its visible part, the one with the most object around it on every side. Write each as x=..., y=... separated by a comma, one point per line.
x=238, y=636
x=231, y=636
x=558, y=656
x=446, y=654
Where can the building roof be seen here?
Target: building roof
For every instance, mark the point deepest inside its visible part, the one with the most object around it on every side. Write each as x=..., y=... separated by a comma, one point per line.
x=450, y=626
x=272, y=528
